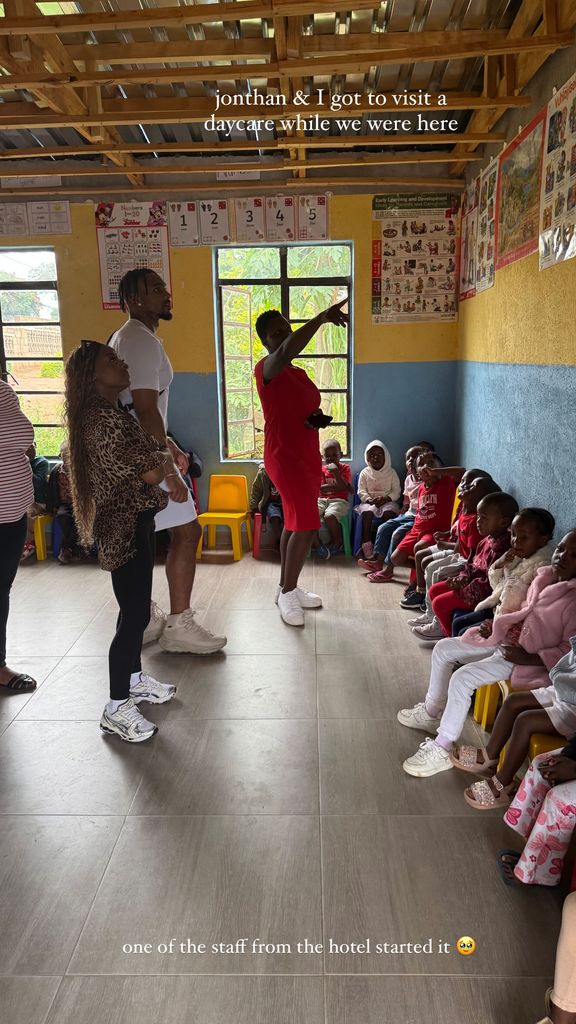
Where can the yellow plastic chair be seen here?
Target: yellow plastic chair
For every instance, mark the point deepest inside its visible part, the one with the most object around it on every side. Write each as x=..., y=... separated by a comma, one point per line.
x=542, y=743
x=40, y=524
x=486, y=704
x=227, y=506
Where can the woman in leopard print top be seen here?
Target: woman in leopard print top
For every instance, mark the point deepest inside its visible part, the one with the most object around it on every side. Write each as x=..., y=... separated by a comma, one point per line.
x=115, y=469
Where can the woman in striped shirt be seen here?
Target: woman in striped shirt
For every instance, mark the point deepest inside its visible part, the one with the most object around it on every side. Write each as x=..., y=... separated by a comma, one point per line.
x=16, y=496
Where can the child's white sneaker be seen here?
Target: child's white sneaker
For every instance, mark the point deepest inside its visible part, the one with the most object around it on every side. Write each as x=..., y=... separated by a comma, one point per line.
x=429, y=759
x=290, y=608
x=430, y=631
x=418, y=718
x=420, y=620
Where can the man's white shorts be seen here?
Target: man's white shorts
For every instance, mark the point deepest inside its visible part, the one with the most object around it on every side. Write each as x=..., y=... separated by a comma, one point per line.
x=176, y=513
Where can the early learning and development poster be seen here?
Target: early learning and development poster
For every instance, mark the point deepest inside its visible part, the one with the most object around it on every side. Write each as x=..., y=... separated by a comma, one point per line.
x=558, y=190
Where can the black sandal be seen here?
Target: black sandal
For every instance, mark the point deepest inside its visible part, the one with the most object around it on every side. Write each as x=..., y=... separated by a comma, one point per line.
x=19, y=684
x=512, y=857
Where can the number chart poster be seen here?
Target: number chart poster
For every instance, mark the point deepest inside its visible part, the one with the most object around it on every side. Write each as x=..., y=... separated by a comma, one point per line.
x=414, y=258
x=485, y=259
x=518, y=194
x=130, y=235
x=468, y=265
x=558, y=194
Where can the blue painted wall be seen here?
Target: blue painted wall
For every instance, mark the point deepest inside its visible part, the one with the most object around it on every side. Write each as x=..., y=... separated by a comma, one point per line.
x=398, y=402
x=519, y=422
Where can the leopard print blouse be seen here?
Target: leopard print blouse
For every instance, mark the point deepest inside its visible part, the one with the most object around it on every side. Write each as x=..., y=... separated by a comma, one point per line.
x=118, y=453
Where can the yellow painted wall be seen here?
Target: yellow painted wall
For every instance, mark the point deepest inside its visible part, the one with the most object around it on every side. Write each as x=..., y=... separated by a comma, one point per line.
x=529, y=316
x=189, y=338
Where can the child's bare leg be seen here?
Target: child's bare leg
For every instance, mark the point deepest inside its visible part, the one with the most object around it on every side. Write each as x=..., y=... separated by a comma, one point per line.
x=527, y=723
x=400, y=558
x=420, y=555
x=335, y=529
x=513, y=706
x=367, y=518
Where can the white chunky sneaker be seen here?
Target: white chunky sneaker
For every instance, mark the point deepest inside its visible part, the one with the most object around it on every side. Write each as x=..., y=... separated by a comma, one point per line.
x=155, y=627
x=151, y=691
x=306, y=597
x=430, y=631
x=290, y=608
x=429, y=759
x=418, y=718
x=127, y=723
x=420, y=620
x=184, y=635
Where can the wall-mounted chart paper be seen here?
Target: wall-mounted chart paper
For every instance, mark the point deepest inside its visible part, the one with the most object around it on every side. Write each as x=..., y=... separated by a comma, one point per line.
x=250, y=222
x=49, y=218
x=183, y=224
x=486, y=239
x=467, y=272
x=558, y=189
x=280, y=219
x=518, y=194
x=130, y=235
x=214, y=221
x=13, y=219
x=312, y=218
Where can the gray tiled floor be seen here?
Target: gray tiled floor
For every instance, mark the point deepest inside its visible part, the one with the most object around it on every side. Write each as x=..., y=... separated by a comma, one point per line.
x=271, y=807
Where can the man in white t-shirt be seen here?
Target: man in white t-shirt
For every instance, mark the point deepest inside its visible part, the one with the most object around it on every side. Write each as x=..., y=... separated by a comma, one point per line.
x=145, y=297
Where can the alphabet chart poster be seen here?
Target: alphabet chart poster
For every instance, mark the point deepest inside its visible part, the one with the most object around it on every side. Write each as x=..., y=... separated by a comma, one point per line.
x=415, y=246
x=280, y=219
x=250, y=222
x=214, y=221
x=312, y=218
x=130, y=235
x=558, y=188
x=183, y=224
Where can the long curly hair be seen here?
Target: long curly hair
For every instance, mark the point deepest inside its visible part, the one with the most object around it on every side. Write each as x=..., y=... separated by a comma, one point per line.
x=80, y=368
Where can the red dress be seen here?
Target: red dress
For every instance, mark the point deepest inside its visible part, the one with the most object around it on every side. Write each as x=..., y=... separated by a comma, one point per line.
x=291, y=449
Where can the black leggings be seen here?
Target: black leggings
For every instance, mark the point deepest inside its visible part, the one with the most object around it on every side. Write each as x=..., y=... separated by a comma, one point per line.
x=132, y=584
x=12, y=537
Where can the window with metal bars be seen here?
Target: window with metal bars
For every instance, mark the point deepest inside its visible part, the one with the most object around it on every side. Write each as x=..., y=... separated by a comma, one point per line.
x=300, y=281
x=31, y=356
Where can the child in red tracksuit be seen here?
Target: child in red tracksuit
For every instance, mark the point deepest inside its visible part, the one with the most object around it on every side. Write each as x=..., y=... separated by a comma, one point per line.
x=465, y=590
x=435, y=504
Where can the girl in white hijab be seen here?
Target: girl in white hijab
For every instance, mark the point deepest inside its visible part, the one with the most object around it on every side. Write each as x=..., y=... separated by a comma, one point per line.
x=378, y=490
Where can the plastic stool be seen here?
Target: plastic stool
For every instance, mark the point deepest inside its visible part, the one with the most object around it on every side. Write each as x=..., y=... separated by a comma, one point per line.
x=486, y=704
x=258, y=524
x=40, y=524
x=543, y=743
x=346, y=541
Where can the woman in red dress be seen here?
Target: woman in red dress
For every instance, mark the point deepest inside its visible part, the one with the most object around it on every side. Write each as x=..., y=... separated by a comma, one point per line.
x=290, y=402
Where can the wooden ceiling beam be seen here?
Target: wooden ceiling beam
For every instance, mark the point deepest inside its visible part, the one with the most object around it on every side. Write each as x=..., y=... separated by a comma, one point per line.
x=168, y=17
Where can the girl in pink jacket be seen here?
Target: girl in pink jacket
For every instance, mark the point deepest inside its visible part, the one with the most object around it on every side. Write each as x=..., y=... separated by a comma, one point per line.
x=522, y=645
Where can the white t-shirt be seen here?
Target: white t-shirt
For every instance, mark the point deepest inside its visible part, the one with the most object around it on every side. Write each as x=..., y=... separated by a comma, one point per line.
x=148, y=364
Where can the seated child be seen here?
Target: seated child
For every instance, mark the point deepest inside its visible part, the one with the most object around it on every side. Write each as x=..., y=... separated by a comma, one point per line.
x=59, y=504
x=391, y=532
x=40, y=472
x=447, y=558
x=543, y=812
x=378, y=490
x=462, y=592
x=265, y=498
x=522, y=645
x=435, y=503
x=335, y=490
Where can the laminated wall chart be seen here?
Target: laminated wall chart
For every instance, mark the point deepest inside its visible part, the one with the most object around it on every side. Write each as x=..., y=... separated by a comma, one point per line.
x=251, y=220
x=518, y=194
x=130, y=235
x=558, y=190
x=468, y=240
x=486, y=238
x=415, y=250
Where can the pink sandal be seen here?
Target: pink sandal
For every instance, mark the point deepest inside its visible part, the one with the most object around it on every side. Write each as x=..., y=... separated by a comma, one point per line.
x=383, y=576
x=466, y=759
x=481, y=797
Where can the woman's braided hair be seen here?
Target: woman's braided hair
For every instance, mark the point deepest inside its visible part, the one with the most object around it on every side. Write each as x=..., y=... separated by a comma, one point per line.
x=79, y=388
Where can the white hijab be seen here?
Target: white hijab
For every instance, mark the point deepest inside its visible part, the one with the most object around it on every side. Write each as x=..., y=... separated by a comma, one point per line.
x=379, y=481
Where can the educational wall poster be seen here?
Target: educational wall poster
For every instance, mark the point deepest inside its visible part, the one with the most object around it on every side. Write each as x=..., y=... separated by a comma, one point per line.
x=558, y=191
x=486, y=238
x=183, y=224
x=49, y=218
x=414, y=258
x=518, y=194
x=130, y=235
x=13, y=219
x=280, y=219
x=250, y=222
x=467, y=262
x=214, y=221
x=312, y=218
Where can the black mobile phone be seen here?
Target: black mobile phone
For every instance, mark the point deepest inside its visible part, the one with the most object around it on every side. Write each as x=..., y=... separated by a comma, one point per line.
x=318, y=420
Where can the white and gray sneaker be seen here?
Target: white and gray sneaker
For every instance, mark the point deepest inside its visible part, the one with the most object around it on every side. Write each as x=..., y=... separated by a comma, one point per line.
x=420, y=620
x=183, y=635
x=306, y=598
x=430, y=631
x=151, y=691
x=156, y=626
x=290, y=608
x=429, y=759
x=127, y=723
x=418, y=718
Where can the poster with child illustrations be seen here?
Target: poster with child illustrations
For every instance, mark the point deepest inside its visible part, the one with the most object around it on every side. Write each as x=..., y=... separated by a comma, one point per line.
x=518, y=194
x=467, y=263
x=486, y=238
x=415, y=250
x=130, y=235
x=558, y=191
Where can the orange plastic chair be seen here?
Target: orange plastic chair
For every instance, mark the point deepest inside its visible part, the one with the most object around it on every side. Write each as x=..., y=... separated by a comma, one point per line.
x=227, y=506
